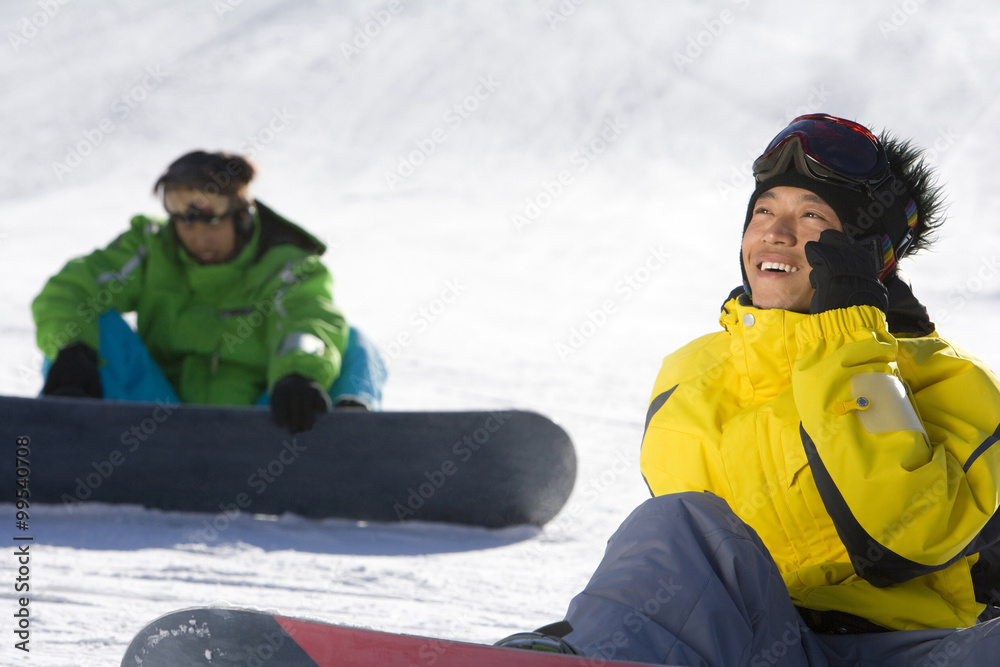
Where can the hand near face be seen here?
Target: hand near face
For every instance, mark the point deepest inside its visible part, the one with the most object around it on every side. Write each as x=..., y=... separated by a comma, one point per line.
x=843, y=274
x=784, y=220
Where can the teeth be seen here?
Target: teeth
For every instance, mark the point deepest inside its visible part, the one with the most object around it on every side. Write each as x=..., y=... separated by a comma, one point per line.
x=777, y=266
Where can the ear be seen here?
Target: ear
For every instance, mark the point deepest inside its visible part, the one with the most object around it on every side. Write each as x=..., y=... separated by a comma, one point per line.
x=244, y=220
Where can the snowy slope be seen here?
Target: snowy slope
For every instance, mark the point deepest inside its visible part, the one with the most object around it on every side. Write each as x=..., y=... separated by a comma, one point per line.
x=528, y=203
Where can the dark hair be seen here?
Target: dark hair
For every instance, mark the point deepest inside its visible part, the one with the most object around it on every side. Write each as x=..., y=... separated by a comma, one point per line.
x=219, y=173
x=907, y=162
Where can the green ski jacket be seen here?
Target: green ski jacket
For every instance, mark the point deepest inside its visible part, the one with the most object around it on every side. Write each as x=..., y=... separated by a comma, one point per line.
x=221, y=333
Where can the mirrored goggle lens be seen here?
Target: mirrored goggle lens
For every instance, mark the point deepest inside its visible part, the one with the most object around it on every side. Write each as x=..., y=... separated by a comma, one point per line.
x=843, y=147
x=191, y=218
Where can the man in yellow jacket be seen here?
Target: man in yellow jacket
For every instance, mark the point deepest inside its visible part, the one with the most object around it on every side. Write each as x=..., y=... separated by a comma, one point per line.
x=823, y=468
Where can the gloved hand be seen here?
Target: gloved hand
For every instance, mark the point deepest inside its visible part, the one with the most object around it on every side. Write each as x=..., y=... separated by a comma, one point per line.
x=295, y=402
x=74, y=373
x=843, y=274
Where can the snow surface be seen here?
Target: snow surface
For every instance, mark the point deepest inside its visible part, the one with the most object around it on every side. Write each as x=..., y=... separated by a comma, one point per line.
x=585, y=109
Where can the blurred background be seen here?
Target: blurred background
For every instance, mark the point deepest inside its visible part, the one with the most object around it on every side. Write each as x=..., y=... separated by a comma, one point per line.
x=528, y=203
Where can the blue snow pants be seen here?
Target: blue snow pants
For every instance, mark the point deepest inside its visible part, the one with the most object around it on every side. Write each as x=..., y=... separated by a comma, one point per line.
x=130, y=374
x=685, y=582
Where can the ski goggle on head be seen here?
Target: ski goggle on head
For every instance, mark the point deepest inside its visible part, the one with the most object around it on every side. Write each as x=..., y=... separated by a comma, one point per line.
x=828, y=149
x=843, y=153
x=194, y=215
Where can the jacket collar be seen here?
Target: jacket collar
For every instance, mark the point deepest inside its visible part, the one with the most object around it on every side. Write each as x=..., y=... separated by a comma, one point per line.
x=906, y=316
x=763, y=346
x=277, y=230
x=216, y=280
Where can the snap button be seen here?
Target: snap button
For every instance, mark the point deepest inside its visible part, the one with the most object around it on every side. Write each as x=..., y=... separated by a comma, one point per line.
x=748, y=319
x=862, y=402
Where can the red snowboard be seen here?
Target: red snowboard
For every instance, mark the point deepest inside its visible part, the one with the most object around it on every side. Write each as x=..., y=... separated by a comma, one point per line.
x=210, y=636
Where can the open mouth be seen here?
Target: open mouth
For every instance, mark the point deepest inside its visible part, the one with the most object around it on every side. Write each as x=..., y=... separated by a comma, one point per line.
x=778, y=267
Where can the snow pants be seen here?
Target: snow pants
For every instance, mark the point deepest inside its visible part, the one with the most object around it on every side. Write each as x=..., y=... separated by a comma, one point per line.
x=130, y=374
x=685, y=582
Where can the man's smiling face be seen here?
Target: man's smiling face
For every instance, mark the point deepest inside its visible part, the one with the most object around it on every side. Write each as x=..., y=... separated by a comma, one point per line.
x=784, y=219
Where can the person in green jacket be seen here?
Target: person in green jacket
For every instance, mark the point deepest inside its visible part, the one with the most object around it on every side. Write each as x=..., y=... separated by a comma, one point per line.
x=233, y=307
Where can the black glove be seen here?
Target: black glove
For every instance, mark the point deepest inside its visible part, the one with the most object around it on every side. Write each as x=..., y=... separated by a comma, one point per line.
x=843, y=274
x=74, y=373
x=295, y=402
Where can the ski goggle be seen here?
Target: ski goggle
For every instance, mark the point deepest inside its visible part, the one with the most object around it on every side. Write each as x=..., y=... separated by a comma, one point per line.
x=193, y=216
x=840, y=152
x=827, y=148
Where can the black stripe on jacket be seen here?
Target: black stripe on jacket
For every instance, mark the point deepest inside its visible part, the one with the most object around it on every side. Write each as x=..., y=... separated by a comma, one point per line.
x=654, y=407
x=874, y=562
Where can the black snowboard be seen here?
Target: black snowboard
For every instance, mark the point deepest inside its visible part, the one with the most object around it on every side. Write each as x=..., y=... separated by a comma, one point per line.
x=481, y=468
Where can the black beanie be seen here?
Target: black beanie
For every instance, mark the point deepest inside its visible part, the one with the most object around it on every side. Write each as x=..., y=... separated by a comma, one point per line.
x=846, y=202
x=884, y=220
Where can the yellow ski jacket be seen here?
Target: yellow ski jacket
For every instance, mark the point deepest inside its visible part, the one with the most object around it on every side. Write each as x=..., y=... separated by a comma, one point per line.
x=863, y=459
